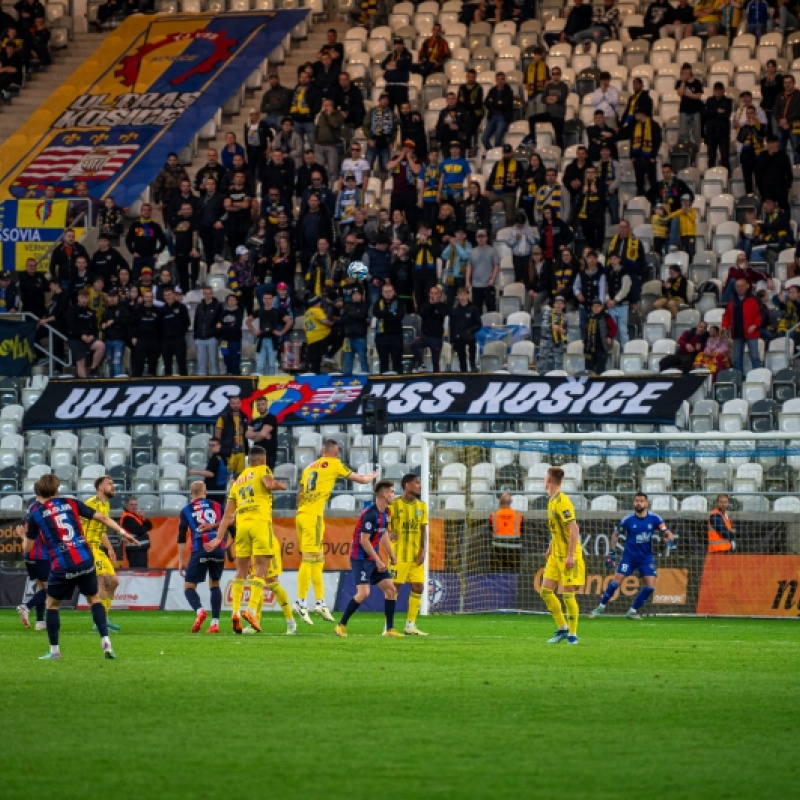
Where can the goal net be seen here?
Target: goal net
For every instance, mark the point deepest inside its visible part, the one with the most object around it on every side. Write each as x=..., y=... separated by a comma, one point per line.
x=478, y=563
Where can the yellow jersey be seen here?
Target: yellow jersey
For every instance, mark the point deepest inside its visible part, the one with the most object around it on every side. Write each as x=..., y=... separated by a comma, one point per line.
x=317, y=482
x=560, y=512
x=250, y=494
x=406, y=520
x=312, y=323
x=92, y=529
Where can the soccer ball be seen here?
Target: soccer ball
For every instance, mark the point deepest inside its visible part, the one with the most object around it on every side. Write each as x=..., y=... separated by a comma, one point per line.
x=358, y=271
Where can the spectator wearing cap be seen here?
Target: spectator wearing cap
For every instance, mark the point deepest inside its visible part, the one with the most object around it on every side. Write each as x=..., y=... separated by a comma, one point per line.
x=257, y=136
x=241, y=279
x=717, y=125
x=355, y=324
x=397, y=71
x=380, y=128
x=328, y=136
x=275, y=102
x=206, y=316
x=145, y=240
x=605, y=98
x=683, y=227
x=454, y=173
x=404, y=170
x=554, y=96
x=504, y=181
x=453, y=122
x=273, y=323
x=9, y=304
x=304, y=107
x=433, y=53
x=499, y=104
x=168, y=181
x=317, y=326
x=482, y=269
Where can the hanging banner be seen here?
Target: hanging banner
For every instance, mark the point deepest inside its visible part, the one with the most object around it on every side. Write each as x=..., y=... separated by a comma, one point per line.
x=17, y=338
x=151, y=87
x=89, y=403
x=336, y=399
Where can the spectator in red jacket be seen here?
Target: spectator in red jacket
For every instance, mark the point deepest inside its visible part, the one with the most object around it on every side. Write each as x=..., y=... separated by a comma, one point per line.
x=742, y=320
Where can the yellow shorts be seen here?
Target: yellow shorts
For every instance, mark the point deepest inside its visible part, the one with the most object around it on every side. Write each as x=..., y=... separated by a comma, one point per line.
x=102, y=563
x=254, y=537
x=275, y=569
x=555, y=571
x=236, y=463
x=310, y=531
x=407, y=572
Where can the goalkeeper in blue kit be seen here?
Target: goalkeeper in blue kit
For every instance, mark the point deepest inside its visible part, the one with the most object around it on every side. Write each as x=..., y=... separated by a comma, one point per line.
x=640, y=529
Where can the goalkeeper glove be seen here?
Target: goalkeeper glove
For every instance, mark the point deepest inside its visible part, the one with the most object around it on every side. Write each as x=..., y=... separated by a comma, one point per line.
x=611, y=560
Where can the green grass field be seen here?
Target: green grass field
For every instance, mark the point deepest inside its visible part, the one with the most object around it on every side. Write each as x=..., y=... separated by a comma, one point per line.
x=482, y=708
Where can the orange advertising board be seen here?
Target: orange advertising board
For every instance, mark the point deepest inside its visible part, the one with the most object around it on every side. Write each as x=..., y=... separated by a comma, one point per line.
x=753, y=586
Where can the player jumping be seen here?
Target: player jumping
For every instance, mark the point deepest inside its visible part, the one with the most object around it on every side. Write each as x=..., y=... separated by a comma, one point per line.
x=72, y=562
x=369, y=569
x=316, y=485
x=565, y=563
x=408, y=526
x=250, y=502
x=638, y=529
x=201, y=511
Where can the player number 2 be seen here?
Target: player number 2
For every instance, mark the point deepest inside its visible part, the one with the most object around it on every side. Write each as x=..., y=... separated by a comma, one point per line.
x=363, y=576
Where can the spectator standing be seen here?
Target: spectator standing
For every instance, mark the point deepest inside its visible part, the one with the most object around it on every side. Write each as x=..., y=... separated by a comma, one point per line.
x=465, y=322
x=304, y=107
x=276, y=102
x=257, y=137
x=589, y=286
x=750, y=144
x=423, y=257
x=389, y=311
x=597, y=339
x=215, y=475
x=470, y=98
x=290, y=142
x=32, y=289
x=317, y=326
x=690, y=90
x=504, y=181
x=774, y=174
x=786, y=113
x=355, y=323
x=554, y=96
x=211, y=169
x=404, y=169
x=328, y=137
x=175, y=325
x=771, y=87
x=550, y=195
x=348, y=99
x=241, y=279
x=631, y=252
x=523, y=239
x=229, y=334
x=683, y=227
x=232, y=148
x=482, y=269
x=62, y=262
x=605, y=98
x=453, y=123
x=433, y=312
x=115, y=329
x=168, y=181
x=146, y=336
x=263, y=431
x=356, y=165
x=591, y=209
x=139, y=527
x=380, y=128
x=619, y=286
x=499, y=105
x=273, y=323
x=229, y=430
x=645, y=137
x=397, y=72
x=721, y=529
x=600, y=135
x=717, y=118
x=742, y=321
x=210, y=216
x=553, y=339
x=536, y=74
x=82, y=333
x=454, y=173
x=206, y=316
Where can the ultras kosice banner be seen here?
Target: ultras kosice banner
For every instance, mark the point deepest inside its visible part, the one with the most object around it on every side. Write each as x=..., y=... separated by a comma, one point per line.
x=87, y=404
x=150, y=88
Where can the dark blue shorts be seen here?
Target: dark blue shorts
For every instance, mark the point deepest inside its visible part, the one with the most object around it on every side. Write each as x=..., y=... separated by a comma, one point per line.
x=38, y=570
x=645, y=566
x=202, y=564
x=366, y=572
x=83, y=577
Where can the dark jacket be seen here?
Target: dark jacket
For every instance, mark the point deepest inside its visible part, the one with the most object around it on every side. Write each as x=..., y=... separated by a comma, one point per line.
x=119, y=316
x=206, y=317
x=433, y=317
x=355, y=320
x=465, y=321
x=174, y=320
x=81, y=322
x=140, y=528
x=146, y=324
x=351, y=102
x=390, y=317
x=145, y=238
x=106, y=264
x=773, y=173
x=231, y=319
x=32, y=289
x=500, y=102
x=276, y=101
x=62, y=261
x=717, y=116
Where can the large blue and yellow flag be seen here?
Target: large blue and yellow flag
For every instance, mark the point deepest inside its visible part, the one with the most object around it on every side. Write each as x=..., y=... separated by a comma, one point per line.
x=146, y=92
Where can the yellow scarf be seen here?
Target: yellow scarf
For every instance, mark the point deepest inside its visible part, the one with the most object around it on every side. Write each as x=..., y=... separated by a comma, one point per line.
x=591, y=335
x=536, y=76
x=557, y=322
x=642, y=144
x=500, y=175
x=588, y=197
x=631, y=248
x=299, y=104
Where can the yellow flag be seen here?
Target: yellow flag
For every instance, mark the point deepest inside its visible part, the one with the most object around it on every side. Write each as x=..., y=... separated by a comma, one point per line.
x=42, y=213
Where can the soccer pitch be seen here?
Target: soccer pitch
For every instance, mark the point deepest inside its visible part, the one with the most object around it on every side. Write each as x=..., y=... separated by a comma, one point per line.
x=482, y=708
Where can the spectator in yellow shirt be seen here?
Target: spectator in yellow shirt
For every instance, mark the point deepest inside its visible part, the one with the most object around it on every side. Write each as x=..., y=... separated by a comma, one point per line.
x=317, y=326
x=683, y=228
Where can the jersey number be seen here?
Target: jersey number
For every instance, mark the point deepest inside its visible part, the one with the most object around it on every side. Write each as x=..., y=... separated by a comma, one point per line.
x=246, y=493
x=311, y=483
x=64, y=525
x=206, y=515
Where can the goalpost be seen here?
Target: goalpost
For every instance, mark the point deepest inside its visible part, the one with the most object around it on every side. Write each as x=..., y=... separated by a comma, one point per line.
x=470, y=570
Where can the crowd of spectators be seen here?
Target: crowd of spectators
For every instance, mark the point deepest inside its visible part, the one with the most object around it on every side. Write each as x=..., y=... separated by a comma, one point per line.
x=24, y=45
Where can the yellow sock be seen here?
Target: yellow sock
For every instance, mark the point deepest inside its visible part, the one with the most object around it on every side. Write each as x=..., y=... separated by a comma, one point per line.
x=237, y=590
x=554, y=606
x=304, y=579
x=107, y=601
x=283, y=599
x=414, y=602
x=256, y=595
x=316, y=579
x=573, y=612
x=260, y=607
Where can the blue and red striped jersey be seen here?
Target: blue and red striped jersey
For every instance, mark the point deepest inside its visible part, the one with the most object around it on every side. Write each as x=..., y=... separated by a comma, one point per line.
x=374, y=523
x=58, y=522
x=199, y=511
